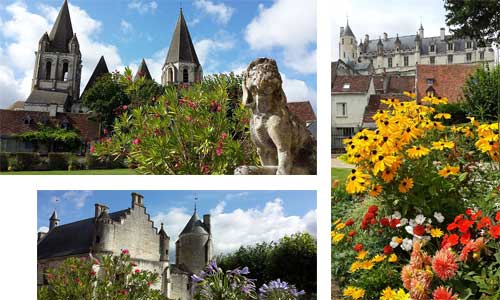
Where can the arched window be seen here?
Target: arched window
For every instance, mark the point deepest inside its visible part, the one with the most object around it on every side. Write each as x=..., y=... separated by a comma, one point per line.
x=185, y=75
x=170, y=75
x=48, y=70
x=65, y=71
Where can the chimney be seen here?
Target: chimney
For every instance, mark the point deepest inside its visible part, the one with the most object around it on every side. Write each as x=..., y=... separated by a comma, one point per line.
x=341, y=30
x=385, y=36
x=41, y=235
x=442, y=34
x=137, y=200
x=206, y=221
x=99, y=209
x=367, y=38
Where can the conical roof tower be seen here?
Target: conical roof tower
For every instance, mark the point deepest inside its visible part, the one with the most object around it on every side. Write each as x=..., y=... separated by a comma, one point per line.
x=181, y=47
x=62, y=31
x=143, y=71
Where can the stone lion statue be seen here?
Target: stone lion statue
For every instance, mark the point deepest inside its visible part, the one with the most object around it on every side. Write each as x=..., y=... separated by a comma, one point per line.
x=283, y=142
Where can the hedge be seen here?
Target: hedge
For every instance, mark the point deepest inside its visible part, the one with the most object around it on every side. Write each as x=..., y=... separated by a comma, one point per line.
x=4, y=162
x=59, y=161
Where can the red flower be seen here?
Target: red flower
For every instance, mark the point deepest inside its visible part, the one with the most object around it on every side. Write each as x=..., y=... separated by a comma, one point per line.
x=352, y=233
x=137, y=271
x=419, y=230
x=373, y=209
x=388, y=249
x=495, y=231
x=465, y=238
x=444, y=264
x=92, y=149
x=136, y=141
x=443, y=294
x=449, y=241
x=464, y=225
x=349, y=222
x=484, y=222
x=223, y=136
x=125, y=292
x=497, y=217
x=384, y=222
x=149, y=283
x=451, y=226
x=93, y=273
x=358, y=247
x=125, y=251
x=218, y=151
x=394, y=223
x=369, y=216
x=468, y=211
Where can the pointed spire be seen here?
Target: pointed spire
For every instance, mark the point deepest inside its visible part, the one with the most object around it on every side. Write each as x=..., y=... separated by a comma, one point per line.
x=181, y=46
x=380, y=41
x=100, y=69
x=143, y=71
x=397, y=41
x=162, y=231
x=348, y=31
x=54, y=216
x=62, y=31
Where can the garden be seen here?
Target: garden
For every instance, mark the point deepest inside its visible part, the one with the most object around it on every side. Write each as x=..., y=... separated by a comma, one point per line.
x=419, y=216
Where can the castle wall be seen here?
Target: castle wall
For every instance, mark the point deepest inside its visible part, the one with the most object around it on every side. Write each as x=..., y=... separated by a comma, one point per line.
x=192, y=251
x=181, y=287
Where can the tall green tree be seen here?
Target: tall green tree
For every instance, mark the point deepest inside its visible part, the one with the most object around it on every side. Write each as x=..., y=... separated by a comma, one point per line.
x=477, y=19
x=106, y=98
x=481, y=92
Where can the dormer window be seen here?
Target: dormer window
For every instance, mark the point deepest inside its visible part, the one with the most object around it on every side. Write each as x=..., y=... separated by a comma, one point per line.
x=450, y=46
x=346, y=86
x=469, y=44
x=430, y=81
x=27, y=120
x=65, y=124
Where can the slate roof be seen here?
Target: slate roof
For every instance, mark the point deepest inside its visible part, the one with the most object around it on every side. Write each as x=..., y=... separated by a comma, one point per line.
x=143, y=71
x=70, y=239
x=181, y=46
x=347, y=31
x=358, y=84
x=303, y=110
x=47, y=97
x=195, y=225
x=62, y=31
x=18, y=105
x=12, y=122
x=100, y=69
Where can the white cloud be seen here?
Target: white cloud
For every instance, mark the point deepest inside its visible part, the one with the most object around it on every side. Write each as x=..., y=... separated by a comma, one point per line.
x=43, y=229
x=143, y=6
x=154, y=63
x=22, y=30
x=78, y=198
x=206, y=49
x=294, y=33
x=240, y=227
x=371, y=17
x=233, y=196
x=297, y=90
x=221, y=12
x=125, y=26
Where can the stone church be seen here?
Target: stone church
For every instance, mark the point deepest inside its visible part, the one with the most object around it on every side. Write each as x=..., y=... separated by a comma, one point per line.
x=110, y=232
x=402, y=54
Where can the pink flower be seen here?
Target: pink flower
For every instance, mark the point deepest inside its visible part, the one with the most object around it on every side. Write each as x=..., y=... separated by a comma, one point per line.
x=137, y=271
x=444, y=264
x=125, y=251
x=105, y=131
x=223, y=136
x=125, y=107
x=125, y=292
x=92, y=149
x=136, y=141
x=218, y=151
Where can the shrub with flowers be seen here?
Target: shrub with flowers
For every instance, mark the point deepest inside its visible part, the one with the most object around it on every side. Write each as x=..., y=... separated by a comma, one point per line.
x=192, y=130
x=279, y=290
x=409, y=238
x=88, y=278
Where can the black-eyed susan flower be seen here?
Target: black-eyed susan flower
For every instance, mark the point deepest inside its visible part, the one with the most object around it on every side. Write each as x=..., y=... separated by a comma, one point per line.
x=383, y=162
x=442, y=116
x=405, y=185
x=441, y=145
x=376, y=190
x=449, y=170
x=357, y=182
x=417, y=151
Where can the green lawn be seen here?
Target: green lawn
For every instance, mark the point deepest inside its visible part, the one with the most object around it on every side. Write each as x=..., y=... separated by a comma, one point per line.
x=78, y=172
x=340, y=174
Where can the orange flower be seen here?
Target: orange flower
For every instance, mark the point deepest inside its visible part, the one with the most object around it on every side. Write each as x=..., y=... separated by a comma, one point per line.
x=406, y=185
x=444, y=264
x=376, y=190
x=441, y=293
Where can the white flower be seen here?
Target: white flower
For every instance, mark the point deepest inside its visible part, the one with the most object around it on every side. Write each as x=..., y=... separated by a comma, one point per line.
x=393, y=242
x=403, y=222
x=407, y=244
x=409, y=229
x=396, y=215
x=439, y=217
x=420, y=219
x=413, y=222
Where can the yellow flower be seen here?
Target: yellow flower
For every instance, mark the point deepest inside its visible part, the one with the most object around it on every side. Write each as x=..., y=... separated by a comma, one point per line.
x=339, y=226
x=376, y=190
x=417, y=151
x=442, y=116
x=393, y=258
x=378, y=258
x=387, y=294
x=354, y=292
x=449, y=170
x=402, y=295
x=355, y=266
x=337, y=237
x=383, y=162
x=362, y=254
x=391, y=102
x=337, y=221
x=367, y=265
x=442, y=144
x=357, y=182
x=405, y=185
x=436, y=232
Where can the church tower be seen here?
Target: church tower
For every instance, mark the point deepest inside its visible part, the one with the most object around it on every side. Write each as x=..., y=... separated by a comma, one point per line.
x=348, y=45
x=58, y=68
x=182, y=64
x=53, y=221
x=194, y=247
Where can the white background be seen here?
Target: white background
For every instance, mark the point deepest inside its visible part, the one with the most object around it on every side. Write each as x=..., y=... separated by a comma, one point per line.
x=18, y=193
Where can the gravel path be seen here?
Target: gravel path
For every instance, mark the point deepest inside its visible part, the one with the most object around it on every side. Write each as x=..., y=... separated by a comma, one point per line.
x=337, y=163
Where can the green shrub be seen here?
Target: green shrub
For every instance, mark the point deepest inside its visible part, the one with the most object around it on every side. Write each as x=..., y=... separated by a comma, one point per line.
x=458, y=113
x=93, y=162
x=24, y=161
x=59, y=161
x=4, y=162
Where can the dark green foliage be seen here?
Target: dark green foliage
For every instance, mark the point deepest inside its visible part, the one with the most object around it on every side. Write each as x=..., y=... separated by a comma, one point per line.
x=293, y=259
x=23, y=161
x=458, y=113
x=105, y=96
x=59, y=161
x=481, y=92
x=50, y=135
x=144, y=91
x=93, y=162
x=4, y=162
x=477, y=19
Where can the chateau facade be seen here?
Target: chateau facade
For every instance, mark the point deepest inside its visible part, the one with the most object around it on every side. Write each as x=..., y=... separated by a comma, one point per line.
x=402, y=54
x=131, y=229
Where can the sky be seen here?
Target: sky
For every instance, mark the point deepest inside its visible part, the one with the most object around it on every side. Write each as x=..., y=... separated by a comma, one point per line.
x=227, y=36
x=238, y=217
x=391, y=16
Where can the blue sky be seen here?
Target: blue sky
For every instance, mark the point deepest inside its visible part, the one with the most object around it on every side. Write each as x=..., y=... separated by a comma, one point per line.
x=238, y=217
x=227, y=36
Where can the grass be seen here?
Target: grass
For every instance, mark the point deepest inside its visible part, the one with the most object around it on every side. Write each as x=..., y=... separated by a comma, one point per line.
x=77, y=172
x=340, y=174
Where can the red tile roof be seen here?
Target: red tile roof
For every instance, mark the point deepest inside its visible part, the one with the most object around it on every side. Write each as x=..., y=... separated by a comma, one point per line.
x=12, y=122
x=303, y=110
x=448, y=80
x=357, y=84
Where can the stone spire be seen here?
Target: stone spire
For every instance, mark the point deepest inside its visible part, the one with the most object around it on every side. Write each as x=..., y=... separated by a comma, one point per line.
x=181, y=47
x=54, y=220
x=62, y=31
x=143, y=71
x=100, y=69
x=347, y=30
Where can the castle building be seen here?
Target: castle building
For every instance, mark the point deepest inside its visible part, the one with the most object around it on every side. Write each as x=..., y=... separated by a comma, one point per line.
x=132, y=229
x=58, y=68
x=181, y=64
x=402, y=54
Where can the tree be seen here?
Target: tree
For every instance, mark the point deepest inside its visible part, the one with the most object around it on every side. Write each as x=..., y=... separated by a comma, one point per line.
x=141, y=91
x=474, y=19
x=481, y=92
x=106, y=98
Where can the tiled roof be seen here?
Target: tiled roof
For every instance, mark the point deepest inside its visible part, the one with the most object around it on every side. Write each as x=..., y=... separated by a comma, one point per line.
x=100, y=69
x=195, y=225
x=143, y=71
x=181, y=46
x=303, y=110
x=47, y=97
x=356, y=83
x=399, y=84
x=62, y=31
x=447, y=80
x=12, y=122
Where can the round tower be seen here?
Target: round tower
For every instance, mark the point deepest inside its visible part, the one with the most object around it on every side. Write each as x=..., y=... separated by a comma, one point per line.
x=348, y=44
x=103, y=229
x=53, y=221
x=164, y=244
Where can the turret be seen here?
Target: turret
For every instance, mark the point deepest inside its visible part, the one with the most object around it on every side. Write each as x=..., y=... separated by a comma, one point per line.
x=103, y=233
x=380, y=47
x=137, y=200
x=397, y=43
x=421, y=31
x=54, y=221
x=348, y=44
x=74, y=45
x=164, y=244
x=44, y=42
